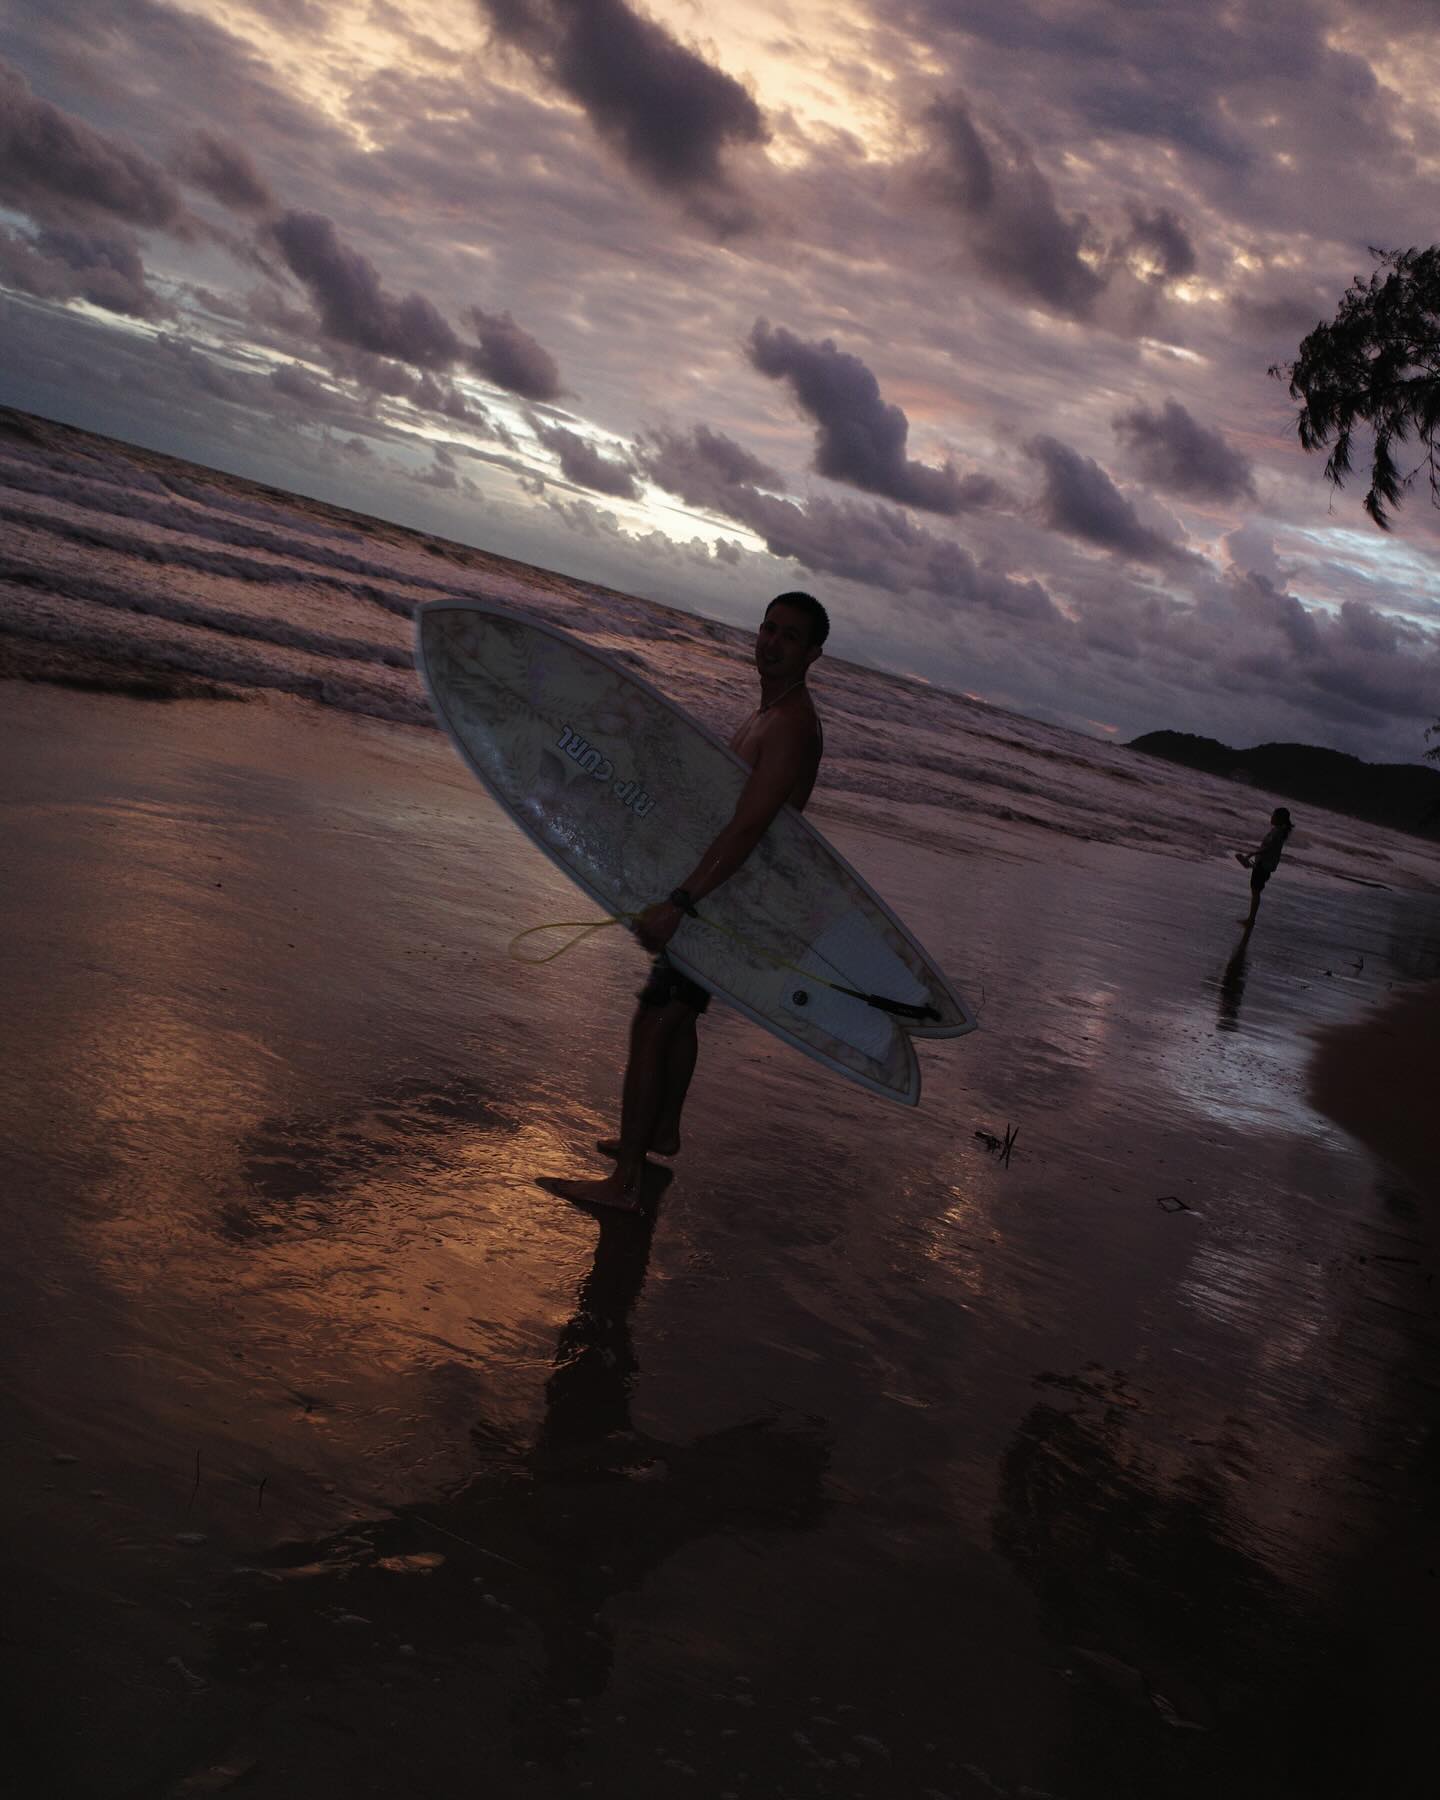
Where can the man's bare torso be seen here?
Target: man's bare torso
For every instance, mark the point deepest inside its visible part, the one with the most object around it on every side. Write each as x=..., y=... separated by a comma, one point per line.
x=792, y=720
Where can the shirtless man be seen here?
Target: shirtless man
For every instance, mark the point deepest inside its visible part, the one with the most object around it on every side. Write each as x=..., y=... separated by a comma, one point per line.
x=782, y=743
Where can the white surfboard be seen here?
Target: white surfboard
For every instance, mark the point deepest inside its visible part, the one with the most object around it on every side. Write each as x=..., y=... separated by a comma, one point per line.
x=623, y=791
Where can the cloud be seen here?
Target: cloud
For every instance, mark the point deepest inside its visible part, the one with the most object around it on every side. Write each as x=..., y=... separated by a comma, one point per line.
x=877, y=546
x=511, y=358
x=61, y=263
x=225, y=172
x=57, y=169
x=704, y=467
x=1161, y=238
x=1010, y=225
x=583, y=464
x=353, y=306
x=300, y=385
x=444, y=397
x=861, y=440
x=669, y=113
x=1174, y=451
x=204, y=372
x=1081, y=500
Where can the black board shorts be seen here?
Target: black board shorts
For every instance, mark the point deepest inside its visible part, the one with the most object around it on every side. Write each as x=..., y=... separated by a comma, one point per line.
x=666, y=983
x=1258, y=878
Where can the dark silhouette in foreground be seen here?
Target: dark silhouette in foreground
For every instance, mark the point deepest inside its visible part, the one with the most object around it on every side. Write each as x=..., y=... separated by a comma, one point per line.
x=781, y=742
x=1376, y=368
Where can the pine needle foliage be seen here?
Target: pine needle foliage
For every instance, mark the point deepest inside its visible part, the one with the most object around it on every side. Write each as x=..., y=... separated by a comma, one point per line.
x=1376, y=367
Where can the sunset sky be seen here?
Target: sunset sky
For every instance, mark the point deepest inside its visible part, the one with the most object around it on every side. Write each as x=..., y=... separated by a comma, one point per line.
x=957, y=312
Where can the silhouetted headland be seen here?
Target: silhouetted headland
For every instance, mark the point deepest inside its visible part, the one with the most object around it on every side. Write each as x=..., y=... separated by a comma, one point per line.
x=1404, y=796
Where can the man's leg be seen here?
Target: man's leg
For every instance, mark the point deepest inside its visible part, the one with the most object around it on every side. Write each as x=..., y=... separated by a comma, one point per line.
x=680, y=1055
x=681, y=1048
x=653, y=1032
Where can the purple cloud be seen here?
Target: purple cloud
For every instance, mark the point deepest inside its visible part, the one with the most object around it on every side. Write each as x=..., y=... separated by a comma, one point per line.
x=353, y=306
x=704, y=467
x=668, y=112
x=1162, y=234
x=511, y=358
x=877, y=546
x=225, y=172
x=62, y=263
x=861, y=440
x=1005, y=209
x=59, y=170
x=583, y=464
x=1081, y=500
x=1172, y=450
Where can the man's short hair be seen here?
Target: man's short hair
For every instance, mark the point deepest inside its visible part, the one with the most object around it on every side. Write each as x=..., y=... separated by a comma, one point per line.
x=813, y=611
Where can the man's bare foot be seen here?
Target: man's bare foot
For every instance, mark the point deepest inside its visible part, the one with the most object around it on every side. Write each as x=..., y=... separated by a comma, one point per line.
x=611, y=1147
x=611, y=1193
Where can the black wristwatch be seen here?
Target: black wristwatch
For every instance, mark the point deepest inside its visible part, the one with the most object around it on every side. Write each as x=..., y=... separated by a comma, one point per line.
x=681, y=897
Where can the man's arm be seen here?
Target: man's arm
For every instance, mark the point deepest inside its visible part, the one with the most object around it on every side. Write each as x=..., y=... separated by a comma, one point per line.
x=783, y=761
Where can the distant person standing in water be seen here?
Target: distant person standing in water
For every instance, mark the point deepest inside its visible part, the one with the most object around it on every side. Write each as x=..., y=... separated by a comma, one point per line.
x=782, y=743
x=1263, y=862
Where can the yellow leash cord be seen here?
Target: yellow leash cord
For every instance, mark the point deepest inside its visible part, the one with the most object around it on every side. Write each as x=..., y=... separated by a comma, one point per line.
x=584, y=928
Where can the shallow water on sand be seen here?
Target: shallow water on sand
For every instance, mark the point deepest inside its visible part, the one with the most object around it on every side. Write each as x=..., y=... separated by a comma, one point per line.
x=1073, y=1469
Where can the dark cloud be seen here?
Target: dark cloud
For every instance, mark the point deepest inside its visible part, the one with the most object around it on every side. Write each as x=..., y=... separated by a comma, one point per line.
x=1081, y=500
x=24, y=271
x=1160, y=103
x=203, y=372
x=1010, y=225
x=107, y=270
x=61, y=171
x=881, y=547
x=1163, y=73
x=353, y=306
x=704, y=467
x=382, y=376
x=511, y=358
x=583, y=464
x=62, y=263
x=225, y=172
x=877, y=546
x=1271, y=606
x=668, y=112
x=1174, y=451
x=861, y=439
x=445, y=398
x=375, y=374
x=1160, y=236
x=1281, y=315
x=299, y=385
x=1366, y=629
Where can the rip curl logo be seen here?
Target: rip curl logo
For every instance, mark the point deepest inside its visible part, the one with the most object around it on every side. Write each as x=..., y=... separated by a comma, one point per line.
x=584, y=754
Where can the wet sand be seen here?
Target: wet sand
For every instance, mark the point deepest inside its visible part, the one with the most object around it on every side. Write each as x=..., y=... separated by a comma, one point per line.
x=347, y=1461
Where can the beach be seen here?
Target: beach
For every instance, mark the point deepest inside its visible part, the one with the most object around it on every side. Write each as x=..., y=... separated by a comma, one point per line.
x=347, y=1460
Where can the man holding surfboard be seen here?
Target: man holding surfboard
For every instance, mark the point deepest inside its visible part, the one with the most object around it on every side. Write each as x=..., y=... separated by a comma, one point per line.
x=782, y=742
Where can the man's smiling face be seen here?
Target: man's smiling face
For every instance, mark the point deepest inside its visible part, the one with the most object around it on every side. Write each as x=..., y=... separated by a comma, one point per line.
x=784, y=649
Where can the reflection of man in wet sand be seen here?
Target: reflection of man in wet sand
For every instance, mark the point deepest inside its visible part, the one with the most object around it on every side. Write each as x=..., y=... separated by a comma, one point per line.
x=782, y=742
